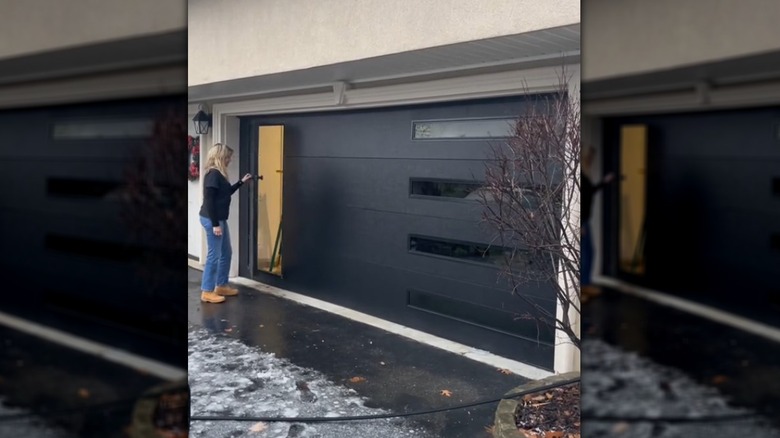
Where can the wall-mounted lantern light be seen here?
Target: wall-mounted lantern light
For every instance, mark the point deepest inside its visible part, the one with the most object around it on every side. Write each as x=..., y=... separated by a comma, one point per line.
x=202, y=121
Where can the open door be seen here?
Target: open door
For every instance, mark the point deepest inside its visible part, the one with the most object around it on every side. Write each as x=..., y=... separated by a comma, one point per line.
x=633, y=181
x=270, y=158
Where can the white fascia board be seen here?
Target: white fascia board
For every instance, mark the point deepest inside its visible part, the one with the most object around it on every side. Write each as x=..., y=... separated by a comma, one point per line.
x=538, y=80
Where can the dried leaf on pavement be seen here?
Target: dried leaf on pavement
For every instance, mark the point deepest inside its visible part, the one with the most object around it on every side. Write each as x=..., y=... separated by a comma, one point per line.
x=620, y=428
x=258, y=427
x=446, y=392
x=504, y=371
x=529, y=433
x=357, y=379
x=720, y=379
x=83, y=393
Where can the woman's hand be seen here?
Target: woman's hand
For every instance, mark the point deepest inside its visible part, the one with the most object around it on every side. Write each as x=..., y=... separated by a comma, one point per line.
x=217, y=231
x=246, y=177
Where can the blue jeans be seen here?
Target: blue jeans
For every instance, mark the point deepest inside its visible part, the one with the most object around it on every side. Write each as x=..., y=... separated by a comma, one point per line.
x=218, y=256
x=586, y=248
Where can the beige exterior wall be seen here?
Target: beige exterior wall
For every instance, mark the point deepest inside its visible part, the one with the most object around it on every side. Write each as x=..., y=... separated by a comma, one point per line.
x=35, y=26
x=244, y=38
x=634, y=36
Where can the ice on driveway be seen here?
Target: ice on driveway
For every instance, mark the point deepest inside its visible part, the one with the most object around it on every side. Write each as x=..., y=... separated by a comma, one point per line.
x=620, y=383
x=230, y=378
x=26, y=427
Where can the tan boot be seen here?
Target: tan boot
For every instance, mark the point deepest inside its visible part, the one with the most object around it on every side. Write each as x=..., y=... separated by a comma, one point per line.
x=591, y=291
x=226, y=291
x=210, y=297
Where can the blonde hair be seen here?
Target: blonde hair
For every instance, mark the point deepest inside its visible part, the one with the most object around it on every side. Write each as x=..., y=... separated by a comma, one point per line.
x=217, y=158
x=588, y=154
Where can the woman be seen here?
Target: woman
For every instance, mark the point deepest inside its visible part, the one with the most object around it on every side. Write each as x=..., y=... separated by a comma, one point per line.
x=213, y=216
x=588, y=191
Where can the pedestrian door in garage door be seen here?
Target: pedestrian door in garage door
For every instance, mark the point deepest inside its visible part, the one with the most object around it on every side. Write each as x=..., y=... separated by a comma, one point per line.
x=270, y=161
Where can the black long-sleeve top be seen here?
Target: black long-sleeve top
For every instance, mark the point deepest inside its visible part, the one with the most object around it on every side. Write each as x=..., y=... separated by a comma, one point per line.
x=216, y=196
x=588, y=190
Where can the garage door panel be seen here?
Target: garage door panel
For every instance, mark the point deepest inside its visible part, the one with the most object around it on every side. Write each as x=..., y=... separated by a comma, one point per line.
x=384, y=239
x=527, y=341
x=722, y=182
x=388, y=133
x=747, y=134
x=381, y=186
x=50, y=183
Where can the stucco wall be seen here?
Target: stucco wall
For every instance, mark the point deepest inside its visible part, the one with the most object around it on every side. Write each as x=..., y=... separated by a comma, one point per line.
x=635, y=36
x=34, y=26
x=243, y=38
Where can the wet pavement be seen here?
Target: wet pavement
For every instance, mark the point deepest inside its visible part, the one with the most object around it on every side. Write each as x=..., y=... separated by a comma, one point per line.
x=39, y=376
x=364, y=369
x=637, y=352
x=230, y=378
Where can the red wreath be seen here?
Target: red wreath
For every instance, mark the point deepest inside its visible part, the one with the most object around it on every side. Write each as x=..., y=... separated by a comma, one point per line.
x=193, y=147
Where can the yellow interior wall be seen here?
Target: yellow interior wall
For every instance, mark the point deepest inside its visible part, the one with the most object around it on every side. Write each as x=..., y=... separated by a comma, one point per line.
x=633, y=168
x=269, y=193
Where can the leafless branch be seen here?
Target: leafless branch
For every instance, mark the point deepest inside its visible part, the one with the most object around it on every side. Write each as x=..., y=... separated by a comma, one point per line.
x=530, y=200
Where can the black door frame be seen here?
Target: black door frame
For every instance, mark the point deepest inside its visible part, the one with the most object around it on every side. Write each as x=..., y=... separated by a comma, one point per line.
x=247, y=221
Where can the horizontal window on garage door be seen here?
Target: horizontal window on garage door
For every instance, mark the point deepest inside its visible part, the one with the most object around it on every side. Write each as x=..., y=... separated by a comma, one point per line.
x=103, y=129
x=444, y=189
x=474, y=252
x=471, y=129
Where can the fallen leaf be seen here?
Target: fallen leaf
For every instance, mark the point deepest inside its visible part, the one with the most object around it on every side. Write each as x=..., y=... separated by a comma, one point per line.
x=537, y=398
x=529, y=433
x=83, y=393
x=549, y=395
x=228, y=330
x=357, y=379
x=258, y=427
x=620, y=428
x=504, y=371
x=446, y=392
x=720, y=379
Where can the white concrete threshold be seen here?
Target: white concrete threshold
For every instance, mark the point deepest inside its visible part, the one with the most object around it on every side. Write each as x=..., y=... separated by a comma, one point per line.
x=519, y=368
x=704, y=311
x=121, y=357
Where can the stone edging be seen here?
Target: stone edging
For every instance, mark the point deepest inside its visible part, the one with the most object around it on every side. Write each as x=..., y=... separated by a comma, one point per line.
x=504, y=426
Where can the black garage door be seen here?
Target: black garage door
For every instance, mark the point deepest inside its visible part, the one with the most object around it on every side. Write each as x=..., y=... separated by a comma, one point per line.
x=66, y=246
x=377, y=217
x=713, y=206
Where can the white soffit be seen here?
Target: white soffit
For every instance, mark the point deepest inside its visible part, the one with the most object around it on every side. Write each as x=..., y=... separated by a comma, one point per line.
x=549, y=47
